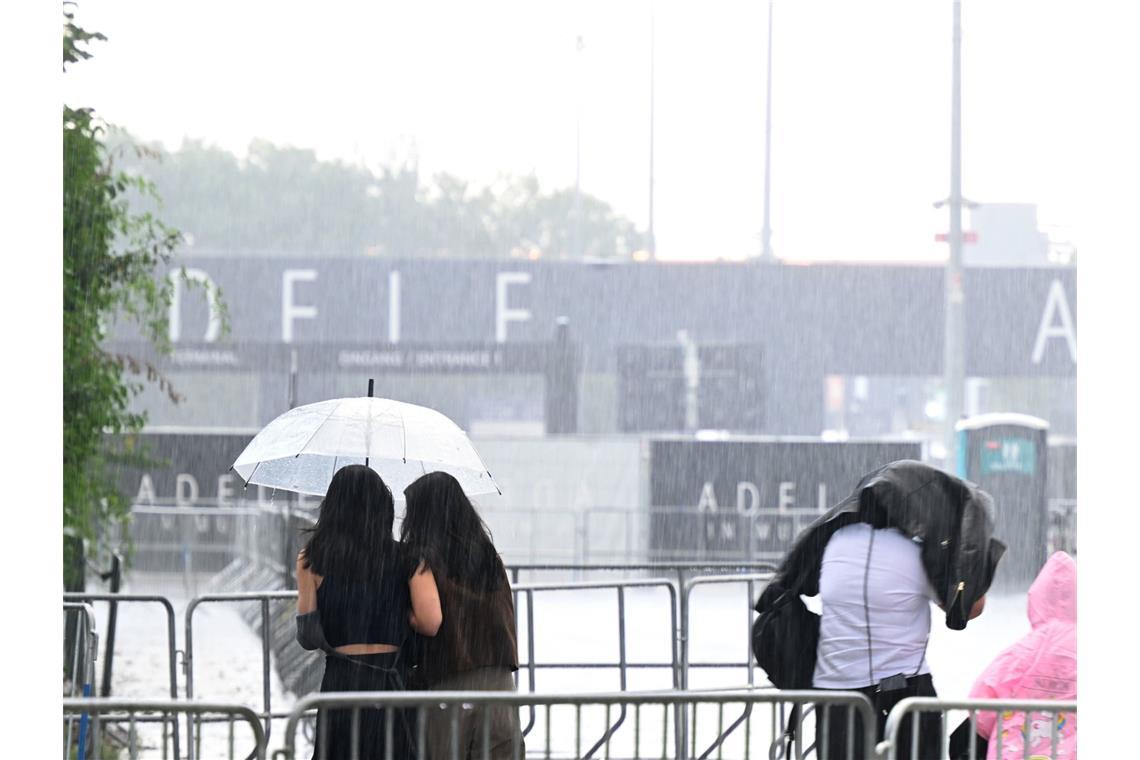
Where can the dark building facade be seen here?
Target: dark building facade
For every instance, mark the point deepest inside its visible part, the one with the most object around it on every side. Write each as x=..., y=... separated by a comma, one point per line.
x=476, y=339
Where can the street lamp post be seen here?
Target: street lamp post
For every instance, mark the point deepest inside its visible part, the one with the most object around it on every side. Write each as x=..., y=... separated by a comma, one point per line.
x=577, y=246
x=766, y=232
x=955, y=340
x=652, y=87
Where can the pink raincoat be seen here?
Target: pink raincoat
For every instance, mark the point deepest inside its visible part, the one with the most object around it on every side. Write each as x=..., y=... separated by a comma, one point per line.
x=1042, y=665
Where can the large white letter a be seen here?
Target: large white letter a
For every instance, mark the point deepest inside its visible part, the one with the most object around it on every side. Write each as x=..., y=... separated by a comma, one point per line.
x=1055, y=304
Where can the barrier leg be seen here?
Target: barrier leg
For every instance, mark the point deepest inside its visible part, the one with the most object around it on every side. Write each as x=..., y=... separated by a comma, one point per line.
x=83, y=721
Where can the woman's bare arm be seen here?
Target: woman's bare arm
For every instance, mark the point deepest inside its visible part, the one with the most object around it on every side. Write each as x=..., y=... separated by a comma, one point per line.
x=426, y=616
x=306, y=587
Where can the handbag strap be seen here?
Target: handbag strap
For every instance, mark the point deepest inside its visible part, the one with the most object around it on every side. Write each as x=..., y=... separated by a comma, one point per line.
x=867, y=607
x=867, y=616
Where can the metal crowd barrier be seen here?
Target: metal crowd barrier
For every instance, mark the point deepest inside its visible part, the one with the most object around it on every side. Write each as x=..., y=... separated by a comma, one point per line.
x=678, y=600
x=85, y=650
x=688, y=575
x=263, y=597
x=530, y=665
x=912, y=707
x=685, y=632
x=680, y=571
x=134, y=711
x=171, y=650
x=582, y=728
x=749, y=580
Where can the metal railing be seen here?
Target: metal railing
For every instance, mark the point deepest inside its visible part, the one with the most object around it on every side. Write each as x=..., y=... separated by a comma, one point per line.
x=263, y=598
x=687, y=576
x=580, y=725
x=891, y=748
x=113, y=712
x=266, y=536
x=1062, y=530
x=171, y=650
x=254, y=537
x=678, y=606
x=685, y=633
x=679, y=571
x=85, y=651
x=530, y=665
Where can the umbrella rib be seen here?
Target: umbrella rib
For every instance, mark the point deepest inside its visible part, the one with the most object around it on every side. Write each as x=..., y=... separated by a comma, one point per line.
x=314, y=435
x=246, y=483
x=484, y=464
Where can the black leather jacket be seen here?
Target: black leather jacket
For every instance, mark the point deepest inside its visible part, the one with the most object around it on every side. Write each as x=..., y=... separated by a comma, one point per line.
x=952, y=518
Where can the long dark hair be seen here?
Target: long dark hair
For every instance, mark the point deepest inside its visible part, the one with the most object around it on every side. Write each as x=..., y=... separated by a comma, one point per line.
x=442, y=528
x=353, y=534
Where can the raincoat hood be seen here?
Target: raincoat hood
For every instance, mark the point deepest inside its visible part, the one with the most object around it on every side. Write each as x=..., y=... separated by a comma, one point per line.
x=1053, y=595
x=1042, y=664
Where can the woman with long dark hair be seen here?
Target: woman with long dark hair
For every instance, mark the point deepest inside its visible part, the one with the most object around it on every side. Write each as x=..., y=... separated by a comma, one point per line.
x=475, y=648
x=358, y=595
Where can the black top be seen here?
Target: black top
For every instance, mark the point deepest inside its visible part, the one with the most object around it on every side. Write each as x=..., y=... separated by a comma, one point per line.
x=367, y=611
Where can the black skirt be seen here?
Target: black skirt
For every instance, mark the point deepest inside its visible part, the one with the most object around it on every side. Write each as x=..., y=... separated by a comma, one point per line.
x=373, y=672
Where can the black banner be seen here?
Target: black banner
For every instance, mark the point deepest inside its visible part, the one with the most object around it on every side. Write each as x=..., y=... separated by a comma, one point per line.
x=187, y=469
x=744, y=499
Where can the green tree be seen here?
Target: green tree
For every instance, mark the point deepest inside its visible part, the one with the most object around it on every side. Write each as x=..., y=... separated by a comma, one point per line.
x=112, y=256
x=284, y=201
x=532, y=220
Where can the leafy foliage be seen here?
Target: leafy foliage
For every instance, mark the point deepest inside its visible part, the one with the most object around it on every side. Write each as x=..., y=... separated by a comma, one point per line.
x=75, y=39
x=284, y=201
x=111, y=257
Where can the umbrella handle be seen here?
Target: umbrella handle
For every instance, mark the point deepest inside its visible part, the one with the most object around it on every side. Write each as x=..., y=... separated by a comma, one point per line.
x=370, y=382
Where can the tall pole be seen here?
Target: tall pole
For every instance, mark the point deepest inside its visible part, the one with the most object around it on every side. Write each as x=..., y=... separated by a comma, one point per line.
x=652, y=88
x=766, y=232
x=955, y=342
x=578, y=151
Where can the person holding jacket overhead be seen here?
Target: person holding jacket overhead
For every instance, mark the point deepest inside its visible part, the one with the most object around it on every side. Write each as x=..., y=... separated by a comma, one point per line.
x=909, y=535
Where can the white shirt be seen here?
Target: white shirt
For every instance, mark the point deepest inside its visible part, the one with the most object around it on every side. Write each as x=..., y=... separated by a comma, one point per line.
x=898, y=607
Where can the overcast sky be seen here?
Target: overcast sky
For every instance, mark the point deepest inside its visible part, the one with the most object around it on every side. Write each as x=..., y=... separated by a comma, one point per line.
x=861, y=103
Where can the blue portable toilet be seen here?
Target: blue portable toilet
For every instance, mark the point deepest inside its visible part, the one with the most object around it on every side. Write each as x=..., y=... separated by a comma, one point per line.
x=1006, y=455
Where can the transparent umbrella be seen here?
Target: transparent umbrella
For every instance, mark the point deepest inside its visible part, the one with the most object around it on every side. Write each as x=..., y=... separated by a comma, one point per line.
x=300, y=450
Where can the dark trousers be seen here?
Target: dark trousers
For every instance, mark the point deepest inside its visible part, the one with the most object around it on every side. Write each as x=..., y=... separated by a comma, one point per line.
x=467, y=729
x=834, y=745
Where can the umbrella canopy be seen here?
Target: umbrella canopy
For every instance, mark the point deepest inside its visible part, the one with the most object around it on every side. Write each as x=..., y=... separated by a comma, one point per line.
x=302, y=449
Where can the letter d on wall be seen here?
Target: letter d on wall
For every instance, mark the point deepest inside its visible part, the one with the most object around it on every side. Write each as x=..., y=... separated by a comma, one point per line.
x=185, y=490
x=747, y=498
x=174, y=321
